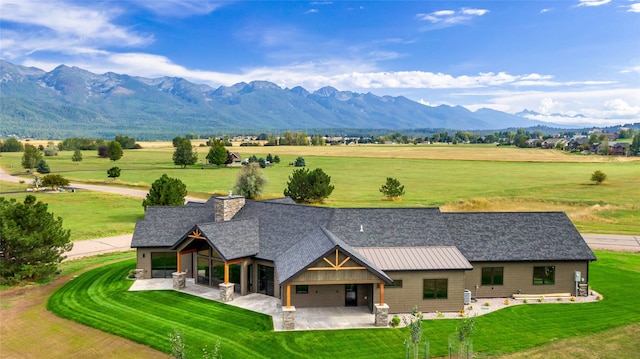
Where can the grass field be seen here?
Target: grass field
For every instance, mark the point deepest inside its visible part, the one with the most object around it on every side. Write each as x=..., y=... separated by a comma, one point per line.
x=457, y=178
x=99, y=298
x=87, y=214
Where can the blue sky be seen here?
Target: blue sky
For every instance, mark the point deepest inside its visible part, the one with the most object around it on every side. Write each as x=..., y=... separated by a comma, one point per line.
x=554, y=57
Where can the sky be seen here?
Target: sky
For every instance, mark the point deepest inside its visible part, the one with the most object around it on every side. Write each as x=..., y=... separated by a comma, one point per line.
x=571, y=61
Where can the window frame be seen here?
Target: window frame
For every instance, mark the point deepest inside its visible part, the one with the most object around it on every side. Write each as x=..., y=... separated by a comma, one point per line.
x=300, y=290
x=547, y=271
x=492, y=276
x=397, y=283
x=435, y=287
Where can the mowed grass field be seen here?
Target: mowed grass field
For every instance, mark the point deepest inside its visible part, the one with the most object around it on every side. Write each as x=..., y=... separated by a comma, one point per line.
x=455, y=178
x=99, y=298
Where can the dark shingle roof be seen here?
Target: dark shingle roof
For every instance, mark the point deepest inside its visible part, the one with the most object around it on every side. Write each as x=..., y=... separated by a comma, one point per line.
x=163, y=226
x=529, y=236
x=233, y=239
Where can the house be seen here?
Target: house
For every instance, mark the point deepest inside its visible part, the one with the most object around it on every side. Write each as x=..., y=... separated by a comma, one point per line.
x=551, y=143
x=618, y=148
x=387, y=259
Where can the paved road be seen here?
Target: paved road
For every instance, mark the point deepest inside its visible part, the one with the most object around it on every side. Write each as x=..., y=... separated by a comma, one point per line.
x=123, y=242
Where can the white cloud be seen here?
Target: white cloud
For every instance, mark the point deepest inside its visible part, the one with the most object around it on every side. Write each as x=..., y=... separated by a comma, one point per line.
x=544, y=11
x=548, y=106
x=446, y=18
x=593, y=2
x=620, y=107
x=180, y=8
x=63, y=27
x=311, y=11
x=635, y=7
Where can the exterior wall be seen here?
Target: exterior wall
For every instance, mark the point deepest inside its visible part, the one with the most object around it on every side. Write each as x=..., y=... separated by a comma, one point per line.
x=402, y=300
x=331, y=295
x=227, y=207
x=518, y=278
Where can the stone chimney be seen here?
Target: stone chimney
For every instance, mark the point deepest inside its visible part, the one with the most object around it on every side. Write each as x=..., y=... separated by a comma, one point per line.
x=227, y=207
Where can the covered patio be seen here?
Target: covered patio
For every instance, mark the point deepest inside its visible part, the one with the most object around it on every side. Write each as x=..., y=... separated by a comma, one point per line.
x=306, y=318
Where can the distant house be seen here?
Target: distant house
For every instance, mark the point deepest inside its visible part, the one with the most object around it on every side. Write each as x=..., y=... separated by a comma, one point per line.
x=237, y=158
x=381, y=258
x=534, y=142
x=618, y=149
x=575, y=143
x=551, y=143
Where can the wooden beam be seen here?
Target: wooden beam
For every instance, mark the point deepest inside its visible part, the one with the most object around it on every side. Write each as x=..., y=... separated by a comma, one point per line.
x=381, y=293
x=196, y=234
x=336, y=269
x=179, y=262
x=226, y=272
x=288, y=296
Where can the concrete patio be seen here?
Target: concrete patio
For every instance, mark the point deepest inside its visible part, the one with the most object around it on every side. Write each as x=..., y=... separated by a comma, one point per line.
x=305, y=318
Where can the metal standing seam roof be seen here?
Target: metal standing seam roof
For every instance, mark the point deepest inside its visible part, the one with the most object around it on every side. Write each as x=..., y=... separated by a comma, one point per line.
x=416, y=258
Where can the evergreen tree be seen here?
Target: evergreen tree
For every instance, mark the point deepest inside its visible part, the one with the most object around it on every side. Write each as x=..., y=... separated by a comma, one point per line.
x=635, y=145
x=166, y=191
x=77, y=156
x=114, y=150
x=31, y=157
x=392, y=188
x=251, y=181
x=43, y=167
x=184, y=155
x=32, y=241
x=299, y=162
x=309, y=186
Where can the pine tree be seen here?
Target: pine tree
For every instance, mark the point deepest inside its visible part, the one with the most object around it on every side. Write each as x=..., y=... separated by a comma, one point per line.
x=166, y=191
x=42, y=167
x=32, y=241
x=392, y=188
x=77, y=156
x=309, y=186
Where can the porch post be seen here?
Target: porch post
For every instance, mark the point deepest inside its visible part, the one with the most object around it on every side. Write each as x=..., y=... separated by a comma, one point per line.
x=381, y=293
x=179, y=269
x=288, y=296
x=226, y=272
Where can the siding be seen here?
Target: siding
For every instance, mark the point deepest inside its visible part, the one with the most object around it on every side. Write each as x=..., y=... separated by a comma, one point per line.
x=402, y=300
x=519, y=277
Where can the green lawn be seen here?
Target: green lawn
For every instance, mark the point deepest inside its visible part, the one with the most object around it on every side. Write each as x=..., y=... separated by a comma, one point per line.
x=99, y=298
x=87, y=214
x=535, y=185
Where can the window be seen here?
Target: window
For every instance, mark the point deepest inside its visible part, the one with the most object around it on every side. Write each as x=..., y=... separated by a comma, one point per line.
x=492, y=275
x=302, y=289
x=163, y=264
x=544, y=275
x=397, y=283
x=435, y=289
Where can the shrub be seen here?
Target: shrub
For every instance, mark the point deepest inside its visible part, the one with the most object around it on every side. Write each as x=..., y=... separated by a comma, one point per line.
x=487, y=304
x=598, y=177
x=299, y=162
x=573, y=299
x=525, y=301
x=507, y=302
x=51, y=150
x=540, y=299
x=54, y=181
x=395, y=321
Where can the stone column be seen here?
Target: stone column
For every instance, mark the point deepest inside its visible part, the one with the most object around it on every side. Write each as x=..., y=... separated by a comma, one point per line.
x=381, y=313
x=226, y=292
x=179, y=280
x=288, y=318
x=139, y=273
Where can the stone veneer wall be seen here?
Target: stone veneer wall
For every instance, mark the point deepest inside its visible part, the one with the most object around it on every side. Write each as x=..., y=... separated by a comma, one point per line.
x=227, y=207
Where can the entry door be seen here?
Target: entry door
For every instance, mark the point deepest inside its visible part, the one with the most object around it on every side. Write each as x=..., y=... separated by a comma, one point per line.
x=351, y=295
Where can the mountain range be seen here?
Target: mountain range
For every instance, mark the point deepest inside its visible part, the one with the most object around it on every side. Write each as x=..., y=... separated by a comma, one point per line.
x=70, y=101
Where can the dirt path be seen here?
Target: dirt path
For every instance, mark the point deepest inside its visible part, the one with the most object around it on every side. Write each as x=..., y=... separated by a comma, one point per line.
x=28, y=330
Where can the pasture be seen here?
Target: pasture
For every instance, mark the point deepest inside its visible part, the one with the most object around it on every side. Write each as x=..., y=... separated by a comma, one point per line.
x=99, y=298
x=455, y=178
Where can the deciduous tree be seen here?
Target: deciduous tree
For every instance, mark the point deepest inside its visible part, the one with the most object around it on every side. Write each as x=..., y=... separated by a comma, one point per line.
x=32, y=240
x=309, y=186
x=11, y=145
x=635, y=145
x=54, y=181
x=114, y=150
x=113, y=172
x=598, y=177
x=166, y=191
x=77, y=156
x=217, y=153
x=31, y=157
x=250, y=182
x=184, y=155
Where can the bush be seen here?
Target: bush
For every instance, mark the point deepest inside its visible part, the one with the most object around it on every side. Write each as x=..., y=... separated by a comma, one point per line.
x=51, y=150
x=54, y=181
x=113, y=172
x=598, y=177
x=299, y=162
x=395, y=321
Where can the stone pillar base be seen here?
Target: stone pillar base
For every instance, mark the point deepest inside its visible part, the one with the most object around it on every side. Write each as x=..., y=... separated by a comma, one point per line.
x=179, y=280
x=288, y=318
x=381, y=313
x=139, y=273
x=226, y=292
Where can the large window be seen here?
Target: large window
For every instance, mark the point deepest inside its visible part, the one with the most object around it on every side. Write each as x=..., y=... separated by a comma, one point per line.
x=434, y=289
x=492, y=275
x=544, y=275
x=397, y=283
x=163, y=264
